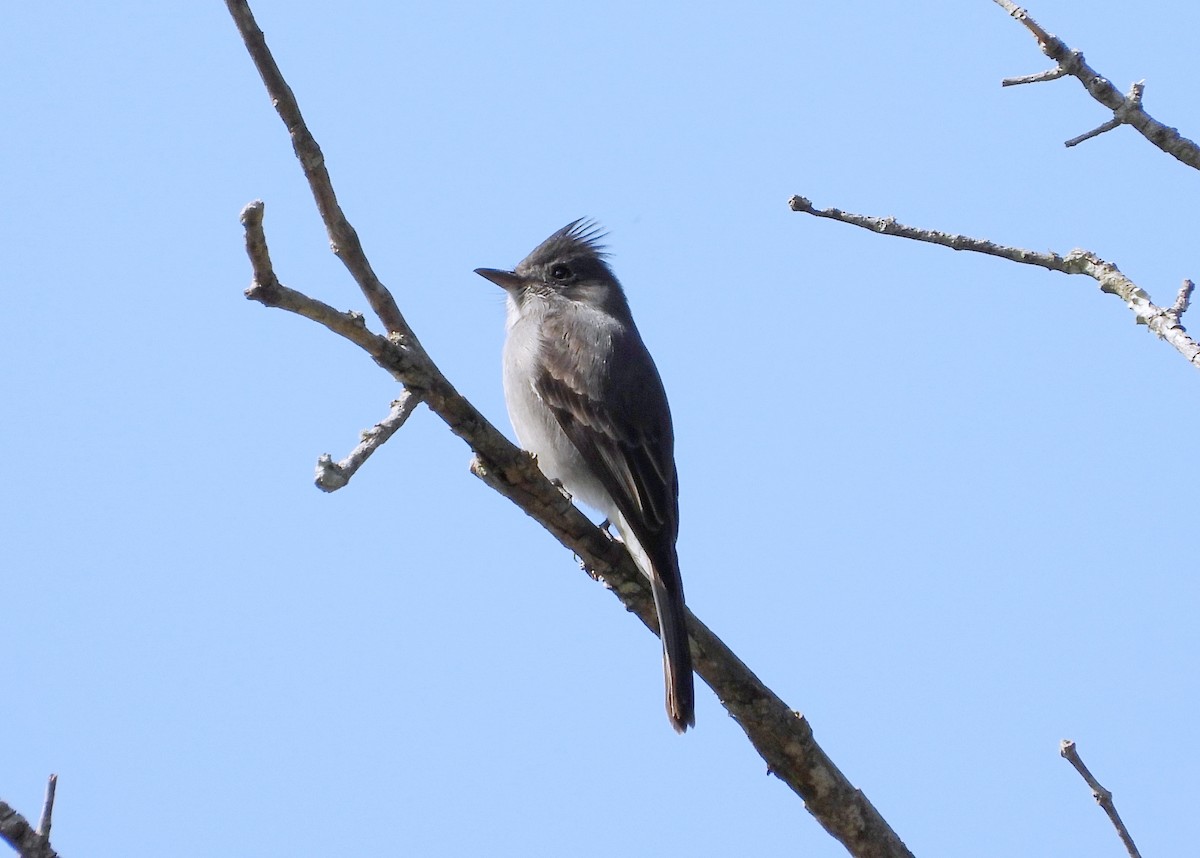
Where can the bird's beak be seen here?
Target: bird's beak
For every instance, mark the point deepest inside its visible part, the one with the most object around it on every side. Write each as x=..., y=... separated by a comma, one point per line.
x=504, y=279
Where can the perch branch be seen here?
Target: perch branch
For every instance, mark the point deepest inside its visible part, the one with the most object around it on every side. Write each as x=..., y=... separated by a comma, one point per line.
x=781, y=736
x=16, y=831
x=1127, y=109
x=1163, y=323
x=1103, y=797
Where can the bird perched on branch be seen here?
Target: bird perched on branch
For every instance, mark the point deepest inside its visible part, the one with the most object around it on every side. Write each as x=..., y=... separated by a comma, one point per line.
x=585, y=398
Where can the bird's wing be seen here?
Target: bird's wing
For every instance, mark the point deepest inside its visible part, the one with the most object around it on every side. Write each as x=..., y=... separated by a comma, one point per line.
x=621, y=425
x=628, y=442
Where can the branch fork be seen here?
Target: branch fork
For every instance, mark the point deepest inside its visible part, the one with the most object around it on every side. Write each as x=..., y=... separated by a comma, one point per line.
x=1126, y=109
x=30, y=842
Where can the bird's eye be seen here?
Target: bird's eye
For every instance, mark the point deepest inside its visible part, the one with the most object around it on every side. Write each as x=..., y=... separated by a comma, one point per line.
x=560, y=272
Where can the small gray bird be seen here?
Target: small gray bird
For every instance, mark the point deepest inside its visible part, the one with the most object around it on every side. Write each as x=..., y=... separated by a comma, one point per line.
x=585, y=398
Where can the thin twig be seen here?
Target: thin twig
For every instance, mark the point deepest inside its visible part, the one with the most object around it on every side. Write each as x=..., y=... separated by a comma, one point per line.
x=1127, y=109
x=1103, y=797
x=1158, y=320
x=332, y=476
x=1036, y=77
x=781, y=736
x=1095, y=132
x=48, y=807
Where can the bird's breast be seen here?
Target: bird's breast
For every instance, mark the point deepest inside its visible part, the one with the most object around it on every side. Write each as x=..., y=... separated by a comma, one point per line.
x=538, y=430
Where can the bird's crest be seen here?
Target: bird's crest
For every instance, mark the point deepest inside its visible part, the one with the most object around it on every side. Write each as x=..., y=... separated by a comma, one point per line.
x=578, y=238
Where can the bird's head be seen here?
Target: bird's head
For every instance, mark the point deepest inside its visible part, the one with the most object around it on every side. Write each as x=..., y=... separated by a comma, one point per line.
x=570, y=265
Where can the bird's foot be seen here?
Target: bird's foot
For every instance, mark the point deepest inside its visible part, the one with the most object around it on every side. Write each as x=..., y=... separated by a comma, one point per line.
x=558, y=484
x=591, y=573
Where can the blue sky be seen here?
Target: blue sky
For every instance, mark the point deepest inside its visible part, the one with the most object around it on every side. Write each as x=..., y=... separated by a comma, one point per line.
x=941, y=503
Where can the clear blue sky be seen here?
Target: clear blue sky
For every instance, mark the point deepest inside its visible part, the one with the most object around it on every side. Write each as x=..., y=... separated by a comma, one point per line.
x=944, y=505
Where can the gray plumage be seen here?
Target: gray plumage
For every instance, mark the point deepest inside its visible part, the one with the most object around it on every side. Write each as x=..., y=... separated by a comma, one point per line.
x=585, y=397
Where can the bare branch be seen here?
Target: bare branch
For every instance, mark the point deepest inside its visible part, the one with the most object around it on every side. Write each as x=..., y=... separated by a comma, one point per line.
x=1095, y=132
x=781, y=736
x=16, y=831
x=1133, y=101
x=1103, y=797
x=1162, y=323
x=332, y=476
x=1127, y=109
x=48, y=807
x=267, y=289
x=343, y=239
x=1036, y=77
x=256, y=245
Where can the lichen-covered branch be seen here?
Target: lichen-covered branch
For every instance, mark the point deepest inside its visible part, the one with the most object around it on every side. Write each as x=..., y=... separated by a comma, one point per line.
x=781, y=736
x=1163, y=323
x=1127, y=109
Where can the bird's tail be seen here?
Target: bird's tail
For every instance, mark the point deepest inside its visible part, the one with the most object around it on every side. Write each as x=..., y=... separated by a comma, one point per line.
x=667, y=587
x=677, y=654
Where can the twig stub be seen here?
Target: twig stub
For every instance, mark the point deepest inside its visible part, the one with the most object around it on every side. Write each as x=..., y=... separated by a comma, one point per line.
x=46, y=821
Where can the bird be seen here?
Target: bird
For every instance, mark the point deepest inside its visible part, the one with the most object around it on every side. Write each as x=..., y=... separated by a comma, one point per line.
x=586, y=399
